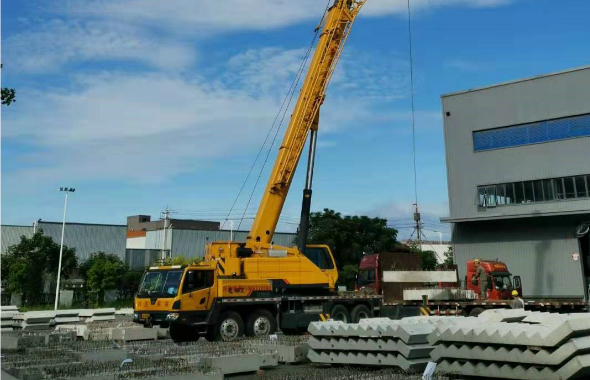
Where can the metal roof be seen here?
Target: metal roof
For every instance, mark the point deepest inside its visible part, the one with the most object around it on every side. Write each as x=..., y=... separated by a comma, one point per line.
x=516, y=81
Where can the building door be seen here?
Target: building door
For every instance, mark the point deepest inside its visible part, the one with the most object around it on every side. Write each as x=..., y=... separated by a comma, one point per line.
x=584, y=243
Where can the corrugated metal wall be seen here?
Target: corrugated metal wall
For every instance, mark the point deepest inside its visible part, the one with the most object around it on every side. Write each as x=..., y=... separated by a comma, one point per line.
x=89, y=238
x=538, y=249
x=191, y=243
x=10, y=235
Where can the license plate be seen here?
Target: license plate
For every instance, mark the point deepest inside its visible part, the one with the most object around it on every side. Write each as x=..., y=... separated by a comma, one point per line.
x=145, y=316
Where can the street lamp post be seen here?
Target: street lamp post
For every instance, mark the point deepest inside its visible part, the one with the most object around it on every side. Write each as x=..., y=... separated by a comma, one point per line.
x=61, y=246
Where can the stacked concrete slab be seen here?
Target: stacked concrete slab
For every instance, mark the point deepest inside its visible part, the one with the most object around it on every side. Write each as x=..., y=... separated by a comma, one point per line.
x=515, y=344
x=373, y=342
x=7, y=314
x=35, y=320
x=97, y=315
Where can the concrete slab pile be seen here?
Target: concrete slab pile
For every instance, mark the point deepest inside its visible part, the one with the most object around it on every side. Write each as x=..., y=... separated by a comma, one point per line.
x=7, y=317
x=373, y=342
x=95, y=315
x=35, y=320
x=515, y=344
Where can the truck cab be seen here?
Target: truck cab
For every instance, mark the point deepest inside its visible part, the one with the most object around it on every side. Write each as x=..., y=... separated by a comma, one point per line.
x=369, y=274
x=501, y=283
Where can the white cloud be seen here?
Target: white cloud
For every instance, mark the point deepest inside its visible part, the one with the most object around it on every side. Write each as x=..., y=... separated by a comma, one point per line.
x=152, y=126
x=214, y=16
x=57, y=42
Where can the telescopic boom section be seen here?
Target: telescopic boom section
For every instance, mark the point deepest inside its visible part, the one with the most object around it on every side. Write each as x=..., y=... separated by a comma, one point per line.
x=336, y=27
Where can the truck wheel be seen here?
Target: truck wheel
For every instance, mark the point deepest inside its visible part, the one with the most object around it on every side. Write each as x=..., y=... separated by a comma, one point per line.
x=360, y=312
x=261, y=323
x=229, y=327
x=339, y=313
x=476, y=311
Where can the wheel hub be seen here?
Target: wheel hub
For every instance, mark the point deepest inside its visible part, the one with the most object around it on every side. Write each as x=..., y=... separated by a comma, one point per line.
x=229, y=329
x=261, y=326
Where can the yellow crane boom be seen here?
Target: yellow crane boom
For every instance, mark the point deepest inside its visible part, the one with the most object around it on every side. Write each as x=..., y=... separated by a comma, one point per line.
x=337, y=24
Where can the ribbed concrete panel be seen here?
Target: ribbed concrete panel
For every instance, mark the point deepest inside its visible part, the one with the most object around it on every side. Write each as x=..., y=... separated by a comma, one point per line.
x=511, y=354
x=89, y=238
x=10, y=235
x=410, y=333
x=367, y=358
x=369, y=344
x=497, y=371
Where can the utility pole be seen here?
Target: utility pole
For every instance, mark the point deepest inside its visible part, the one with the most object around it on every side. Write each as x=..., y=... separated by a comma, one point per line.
x=164, y=255
x=61, y=246
x=418, y=226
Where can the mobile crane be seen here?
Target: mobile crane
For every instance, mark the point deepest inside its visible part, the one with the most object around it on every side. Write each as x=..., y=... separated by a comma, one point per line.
x=254, y=287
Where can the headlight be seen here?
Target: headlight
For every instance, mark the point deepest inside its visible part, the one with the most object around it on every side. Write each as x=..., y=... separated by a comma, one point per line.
x=172, y=316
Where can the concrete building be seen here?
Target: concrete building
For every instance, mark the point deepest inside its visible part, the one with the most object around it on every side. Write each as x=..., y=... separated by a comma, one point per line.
x=138, y=243
x=518, y=169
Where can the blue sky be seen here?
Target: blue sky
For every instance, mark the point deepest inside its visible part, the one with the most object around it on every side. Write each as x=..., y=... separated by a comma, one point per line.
x=144, y=104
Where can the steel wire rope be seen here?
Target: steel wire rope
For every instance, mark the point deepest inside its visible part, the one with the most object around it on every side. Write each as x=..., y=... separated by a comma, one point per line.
x=292, y=93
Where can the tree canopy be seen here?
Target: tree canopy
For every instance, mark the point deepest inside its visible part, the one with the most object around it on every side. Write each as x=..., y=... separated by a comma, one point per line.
x=101, y=272
x=350, y=237
x=25, y=264
x=8, y=95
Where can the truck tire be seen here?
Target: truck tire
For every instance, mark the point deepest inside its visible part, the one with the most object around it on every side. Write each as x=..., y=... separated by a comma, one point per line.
x=261, y=323
x=229, y=327
x=476, y=311
x=339, y=313
x=360, y=312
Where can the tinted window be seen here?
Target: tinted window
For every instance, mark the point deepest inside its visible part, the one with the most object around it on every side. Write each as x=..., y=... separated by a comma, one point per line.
x=568, y=184
x=558, y=186
x=528, y=192
x=538, y=189
x=580, y=187
x=519, y=190
x=490, y=196
x=501, y=195
x=509, y=193
x=366, y=276
x=197, y=279
x=481, y=196
x=320, y=257
x=548, y=190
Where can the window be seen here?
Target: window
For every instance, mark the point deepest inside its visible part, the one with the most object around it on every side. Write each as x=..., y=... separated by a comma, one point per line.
x=528, y=192
x=481, y=196
x=519, y=190
x=558, y=184
x=532, y=133
x=581, y=190
x=548, y=189
x=501, y=195
x=570, y=190
x=366, y=276
x=320, y=257
x=509, y=193
x=538, y=190
x=160, y=283
x=198, y=279
x=491, y=196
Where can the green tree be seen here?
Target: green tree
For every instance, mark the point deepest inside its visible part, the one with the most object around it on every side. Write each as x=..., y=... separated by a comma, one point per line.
x=449, y=256
x=26, y=264
x=429, y=261
x=347, y=275
x=350, y=236
x=101, y=272
x=8, y=94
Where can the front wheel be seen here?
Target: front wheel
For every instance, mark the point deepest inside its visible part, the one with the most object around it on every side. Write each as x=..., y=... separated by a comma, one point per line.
x=360, y=312
x=229, y=327
x=261, y=323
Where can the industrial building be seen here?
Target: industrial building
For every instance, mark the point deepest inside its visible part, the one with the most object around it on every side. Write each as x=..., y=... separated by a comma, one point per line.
x=139, y=242
x=518, y=171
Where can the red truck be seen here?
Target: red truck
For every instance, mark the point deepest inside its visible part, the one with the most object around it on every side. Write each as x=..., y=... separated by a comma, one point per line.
x=499, y=294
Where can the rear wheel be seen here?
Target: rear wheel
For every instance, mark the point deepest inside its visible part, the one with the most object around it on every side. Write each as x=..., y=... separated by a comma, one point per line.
x=360, y=312
x=476, y=311
x=339, y=313
x=261, y=323
x=229, y=327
